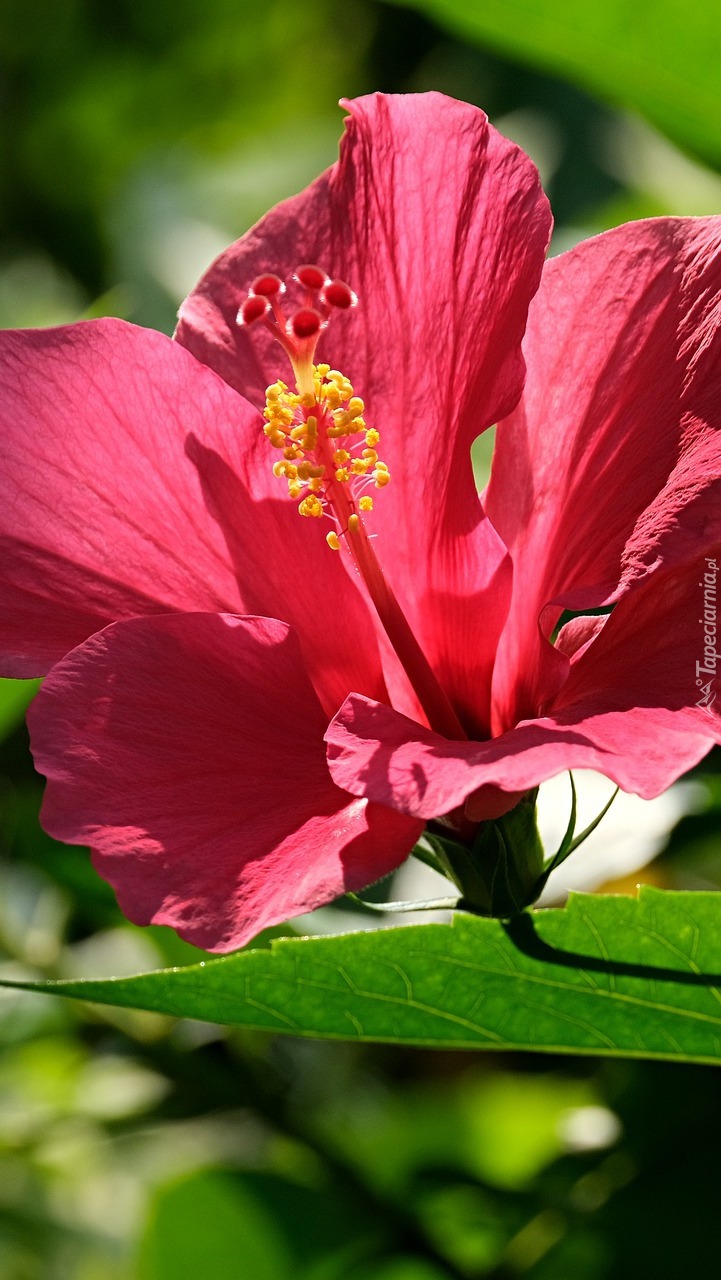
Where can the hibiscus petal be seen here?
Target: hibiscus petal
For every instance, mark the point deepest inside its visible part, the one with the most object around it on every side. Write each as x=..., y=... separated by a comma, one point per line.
x=135, y=481
x=187, y=750
x=629, y=709
x=609, y=468
x=440, y=226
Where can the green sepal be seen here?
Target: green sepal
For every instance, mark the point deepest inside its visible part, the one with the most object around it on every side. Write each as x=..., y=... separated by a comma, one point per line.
x=498, y=875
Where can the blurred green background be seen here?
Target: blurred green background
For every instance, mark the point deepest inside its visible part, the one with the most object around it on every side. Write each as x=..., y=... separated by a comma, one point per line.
x=137, y=139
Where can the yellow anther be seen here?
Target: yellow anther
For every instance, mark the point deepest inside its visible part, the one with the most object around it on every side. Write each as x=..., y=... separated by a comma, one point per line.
x=366, y=503
x=290, y=453
x=311, y=506
x=381, y=466
x=280, y=468
x=331, y=395
x=340, y=456
x=360, y=466
x=381, y=478
x=294, y=488
x=298, y=433
x=315, y=472
x=307, y=400
x=355, y=407
x=315, y=485
x=333, y=540
x=342, y=474
x=353, y=523
x=304, y=470
x=278, y=416
x=370, y=456
x=322, y=370
x=373, y=437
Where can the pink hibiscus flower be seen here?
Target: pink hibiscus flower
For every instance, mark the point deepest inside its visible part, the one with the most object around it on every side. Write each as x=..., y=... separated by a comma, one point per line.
x=269, y=665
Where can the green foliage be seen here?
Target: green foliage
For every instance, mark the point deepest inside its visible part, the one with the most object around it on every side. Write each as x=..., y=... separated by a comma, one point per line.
x=269, y=1227
x=15, y=697
x=606, y=975
x=658, y=57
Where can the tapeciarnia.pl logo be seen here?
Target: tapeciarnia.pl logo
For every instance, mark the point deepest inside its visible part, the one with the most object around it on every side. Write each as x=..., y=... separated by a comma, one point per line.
x=706, y=670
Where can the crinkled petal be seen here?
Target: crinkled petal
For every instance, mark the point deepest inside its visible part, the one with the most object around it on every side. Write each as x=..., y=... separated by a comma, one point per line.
x=632, y=709
x=610, y=467
x=440, y=226
x=135, y=481
x=187, y=750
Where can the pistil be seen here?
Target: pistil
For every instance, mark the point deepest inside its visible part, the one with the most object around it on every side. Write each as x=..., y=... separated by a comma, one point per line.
x=329, y=457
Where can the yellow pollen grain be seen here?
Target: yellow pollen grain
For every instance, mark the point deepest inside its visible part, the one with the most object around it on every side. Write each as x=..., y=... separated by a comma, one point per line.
x=366, y=503
x=340, y=456
x=342, y=474
x=373, y=437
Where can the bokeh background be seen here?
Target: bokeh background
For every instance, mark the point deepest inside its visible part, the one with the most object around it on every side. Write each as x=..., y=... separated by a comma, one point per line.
x=136, y=140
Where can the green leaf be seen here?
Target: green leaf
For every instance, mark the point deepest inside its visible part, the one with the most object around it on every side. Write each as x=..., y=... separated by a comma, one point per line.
x=634, y=977
x=658, y=57
x=275, y=1228
x=15, y=697
x=201, y=1222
